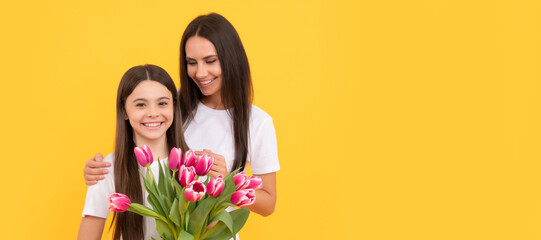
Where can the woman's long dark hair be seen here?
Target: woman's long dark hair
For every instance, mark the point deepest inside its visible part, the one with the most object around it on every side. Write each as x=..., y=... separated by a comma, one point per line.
x=236, y=92
x=126, y=171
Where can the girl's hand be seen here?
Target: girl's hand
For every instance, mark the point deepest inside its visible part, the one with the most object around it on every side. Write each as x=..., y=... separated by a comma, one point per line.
x=219, y=167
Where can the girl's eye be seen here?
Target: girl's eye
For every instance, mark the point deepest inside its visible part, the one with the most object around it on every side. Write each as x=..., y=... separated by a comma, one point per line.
x=162, y=103
x=140, y=105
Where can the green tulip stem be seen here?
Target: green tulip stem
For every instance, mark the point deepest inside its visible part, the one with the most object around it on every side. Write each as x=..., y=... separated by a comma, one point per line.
x=187, y=212
x=151, y=174
x=172, y=178
x=173, y=229
x=182, y=217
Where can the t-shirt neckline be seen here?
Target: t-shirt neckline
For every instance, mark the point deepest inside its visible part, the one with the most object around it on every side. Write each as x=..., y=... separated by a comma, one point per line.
x=208, y=109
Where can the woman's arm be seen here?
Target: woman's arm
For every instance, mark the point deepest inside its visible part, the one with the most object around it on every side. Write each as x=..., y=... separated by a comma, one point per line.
x=265, y=198
x=95, y=169
x=91, y=228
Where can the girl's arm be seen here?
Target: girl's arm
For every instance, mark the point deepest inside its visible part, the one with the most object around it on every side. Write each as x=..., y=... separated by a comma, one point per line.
x=91, y=228
x=265, y=198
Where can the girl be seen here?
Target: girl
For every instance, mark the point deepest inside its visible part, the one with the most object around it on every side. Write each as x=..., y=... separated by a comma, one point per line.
x=146, y=115
x=216, y=94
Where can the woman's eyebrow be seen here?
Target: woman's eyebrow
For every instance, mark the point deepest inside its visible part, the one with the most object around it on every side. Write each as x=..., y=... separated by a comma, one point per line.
x=207, y=57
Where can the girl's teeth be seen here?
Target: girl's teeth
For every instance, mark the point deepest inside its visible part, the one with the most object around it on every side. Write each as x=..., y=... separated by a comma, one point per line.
x=152, y=124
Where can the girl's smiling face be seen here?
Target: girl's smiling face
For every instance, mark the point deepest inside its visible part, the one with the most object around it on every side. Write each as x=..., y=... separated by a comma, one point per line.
x=203, y=66
x=149, y=108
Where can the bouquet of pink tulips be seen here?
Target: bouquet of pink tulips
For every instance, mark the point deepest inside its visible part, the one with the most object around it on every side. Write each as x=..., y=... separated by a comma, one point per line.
x=190, y=208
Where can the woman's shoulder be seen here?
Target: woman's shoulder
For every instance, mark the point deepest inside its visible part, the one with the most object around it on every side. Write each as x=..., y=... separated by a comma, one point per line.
x=258, y=115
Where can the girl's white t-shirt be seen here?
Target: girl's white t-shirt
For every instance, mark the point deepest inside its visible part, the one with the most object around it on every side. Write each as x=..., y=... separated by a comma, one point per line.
x=97, y=196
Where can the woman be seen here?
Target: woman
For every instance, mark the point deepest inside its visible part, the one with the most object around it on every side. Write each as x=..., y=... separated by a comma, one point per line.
x=215, y=103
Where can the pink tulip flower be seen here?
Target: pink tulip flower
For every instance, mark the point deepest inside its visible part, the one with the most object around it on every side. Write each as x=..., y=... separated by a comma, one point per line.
x=175, y=158
x=186, y=175
x=202, y=166
x=215, y=186
x=241, y=181
x=254, y=182
x=118, y=202
x=243, y=198
x=189, y=158
x=195, y=191
x=143, y=155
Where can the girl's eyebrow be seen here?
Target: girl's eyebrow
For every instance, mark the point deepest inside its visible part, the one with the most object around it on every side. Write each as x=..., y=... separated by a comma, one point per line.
x=143, y=99
x=207, y=57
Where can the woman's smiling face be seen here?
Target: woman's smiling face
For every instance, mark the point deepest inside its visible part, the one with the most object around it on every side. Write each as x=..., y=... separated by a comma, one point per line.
x=149, y=108
x=203, y=66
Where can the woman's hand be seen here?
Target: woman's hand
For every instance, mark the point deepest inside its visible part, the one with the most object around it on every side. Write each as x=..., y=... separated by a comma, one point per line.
x=95, y=169
x=219, y=167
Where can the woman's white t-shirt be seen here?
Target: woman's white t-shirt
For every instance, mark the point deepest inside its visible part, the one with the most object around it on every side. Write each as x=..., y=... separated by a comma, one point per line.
x=213, y=130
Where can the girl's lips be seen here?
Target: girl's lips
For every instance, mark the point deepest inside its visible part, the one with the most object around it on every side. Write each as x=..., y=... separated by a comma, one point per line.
x=152, y=125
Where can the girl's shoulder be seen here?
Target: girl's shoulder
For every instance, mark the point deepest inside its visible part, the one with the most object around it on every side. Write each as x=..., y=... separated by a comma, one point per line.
x=110, y=158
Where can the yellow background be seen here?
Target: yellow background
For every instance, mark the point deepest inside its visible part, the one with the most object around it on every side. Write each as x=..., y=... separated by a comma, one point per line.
x=395, y=119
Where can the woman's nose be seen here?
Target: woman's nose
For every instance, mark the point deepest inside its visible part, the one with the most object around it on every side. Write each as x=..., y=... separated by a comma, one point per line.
x=201, y=71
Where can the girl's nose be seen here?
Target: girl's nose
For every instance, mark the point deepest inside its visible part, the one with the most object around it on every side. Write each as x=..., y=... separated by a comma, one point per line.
x=153, y=111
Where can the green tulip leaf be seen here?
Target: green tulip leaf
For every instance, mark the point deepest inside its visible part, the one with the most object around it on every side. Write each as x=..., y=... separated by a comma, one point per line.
x=218, y=232
x=178, y=187
x=163, y=229
x=155, y=199
x=239, y=218
x=198, y=217
x=167, y=203
x=185, y=236
x=165, y=186
x=182, y=202
x=174, y=214
x=226, y=218
x=161, y=181
x=155, y=203
x=143, y=210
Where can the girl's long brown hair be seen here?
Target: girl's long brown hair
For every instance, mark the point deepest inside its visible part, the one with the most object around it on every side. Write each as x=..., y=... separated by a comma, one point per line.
x=236, y=92
x=129, y=225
